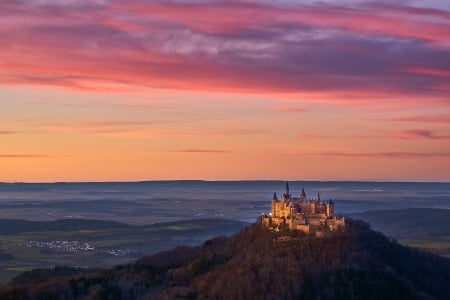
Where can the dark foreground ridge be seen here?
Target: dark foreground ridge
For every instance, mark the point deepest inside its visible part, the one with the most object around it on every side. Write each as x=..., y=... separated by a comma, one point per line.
x=357, y=263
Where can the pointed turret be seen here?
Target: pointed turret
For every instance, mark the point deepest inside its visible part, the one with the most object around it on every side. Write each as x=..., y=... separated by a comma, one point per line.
x=318, y=197
x=303, y=196
x=275, y=196
x=287, y=195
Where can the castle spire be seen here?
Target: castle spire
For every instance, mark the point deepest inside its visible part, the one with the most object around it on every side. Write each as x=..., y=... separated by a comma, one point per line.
x=287, y=188
x=303, y=196
x=275, y=196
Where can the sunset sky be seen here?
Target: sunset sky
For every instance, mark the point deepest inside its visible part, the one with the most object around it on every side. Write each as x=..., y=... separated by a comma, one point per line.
x=224, y=90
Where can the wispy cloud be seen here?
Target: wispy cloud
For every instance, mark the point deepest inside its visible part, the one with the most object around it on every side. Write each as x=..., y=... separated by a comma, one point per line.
x=24, y=155
x=291, y=108
x=337, y=50
x=210, y=151
x=140, y=129
x=313, y=135
x=419, y=134
x=406, y=155
x=97, y=127
x=436, y=118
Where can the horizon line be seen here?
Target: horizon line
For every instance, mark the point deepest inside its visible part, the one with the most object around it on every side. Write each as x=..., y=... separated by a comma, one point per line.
x=224, y=180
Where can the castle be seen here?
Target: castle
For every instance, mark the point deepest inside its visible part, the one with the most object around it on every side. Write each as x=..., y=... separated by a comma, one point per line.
x=307, y=215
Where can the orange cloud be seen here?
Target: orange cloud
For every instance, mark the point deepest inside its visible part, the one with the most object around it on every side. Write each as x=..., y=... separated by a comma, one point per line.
x=211, y=151
x=24, y=156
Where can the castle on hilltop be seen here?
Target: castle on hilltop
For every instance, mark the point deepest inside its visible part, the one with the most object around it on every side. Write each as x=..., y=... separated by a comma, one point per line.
x=307, y=215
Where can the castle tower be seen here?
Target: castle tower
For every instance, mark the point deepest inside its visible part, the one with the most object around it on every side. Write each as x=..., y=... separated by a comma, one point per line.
x=275, y=197
x=330, y=208
x=275, y=205
x=303, y=196
x=286, y=192
x=287, y=195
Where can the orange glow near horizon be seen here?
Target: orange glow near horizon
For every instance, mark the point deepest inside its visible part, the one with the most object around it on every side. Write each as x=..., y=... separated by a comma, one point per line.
x=124, y=91
x=187, y=135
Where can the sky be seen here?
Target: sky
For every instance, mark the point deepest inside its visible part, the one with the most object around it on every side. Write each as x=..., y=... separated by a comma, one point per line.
x=108, y=90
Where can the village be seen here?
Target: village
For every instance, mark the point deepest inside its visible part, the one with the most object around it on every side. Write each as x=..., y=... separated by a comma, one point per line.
x=66, y=246
x=75, y=247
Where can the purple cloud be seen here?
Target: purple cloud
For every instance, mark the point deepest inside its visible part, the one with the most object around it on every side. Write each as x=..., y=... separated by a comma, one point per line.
x=320, y=50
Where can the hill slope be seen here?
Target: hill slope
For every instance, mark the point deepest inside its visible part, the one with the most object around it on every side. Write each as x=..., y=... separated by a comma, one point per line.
x=256, y=264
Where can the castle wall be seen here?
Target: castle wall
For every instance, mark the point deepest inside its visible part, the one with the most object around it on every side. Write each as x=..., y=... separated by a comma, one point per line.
x=335, y=224
x=304, y=228
x=265, y=222
x=315, y=221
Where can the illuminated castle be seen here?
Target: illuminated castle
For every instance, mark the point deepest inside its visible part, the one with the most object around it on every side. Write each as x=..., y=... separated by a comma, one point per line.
x=307, y=215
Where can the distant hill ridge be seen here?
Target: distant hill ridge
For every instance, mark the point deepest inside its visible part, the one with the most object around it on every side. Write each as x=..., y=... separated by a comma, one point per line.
x=16, y=226
x=358, y=263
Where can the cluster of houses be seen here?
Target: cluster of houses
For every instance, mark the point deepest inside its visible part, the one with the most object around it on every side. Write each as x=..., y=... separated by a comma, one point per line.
x=67, y=246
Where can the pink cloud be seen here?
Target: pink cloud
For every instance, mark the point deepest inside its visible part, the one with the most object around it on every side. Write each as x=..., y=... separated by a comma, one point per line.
x=210, y=151
x=240, y=15
x=312, y=135
x=110, y=128
x=317, y=51
x=436, y=118
x=138, y=129
x=291, y=108
x=406, y=155
x=428, y=71
x=419, y=134
x=96, y=124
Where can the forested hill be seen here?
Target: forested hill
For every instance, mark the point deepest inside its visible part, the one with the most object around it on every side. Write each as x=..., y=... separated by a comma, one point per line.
x=257, y=264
